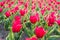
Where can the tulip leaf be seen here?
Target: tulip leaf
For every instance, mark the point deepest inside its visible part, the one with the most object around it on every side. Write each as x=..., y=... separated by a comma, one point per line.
x=37, y=9
x=58, y=0
x=10, y=35
x=52, y=39
x=51, y=30
x=18, y=35
x=4, y=10
x=54, y=36
x=7, y=24
x=28, y=24
x=27, y=31
x=0, y=0
x=1, y=18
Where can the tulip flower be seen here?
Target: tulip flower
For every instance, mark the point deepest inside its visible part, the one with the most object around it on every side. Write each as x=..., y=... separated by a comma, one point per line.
x=7, y=14
x=1, y=9
x=40, y=32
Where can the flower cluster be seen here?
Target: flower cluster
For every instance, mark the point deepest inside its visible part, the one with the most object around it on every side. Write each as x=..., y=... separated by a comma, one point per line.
x=32, y=17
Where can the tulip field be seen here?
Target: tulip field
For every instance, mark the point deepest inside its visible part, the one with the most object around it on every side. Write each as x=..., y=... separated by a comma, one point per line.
x=29, y=19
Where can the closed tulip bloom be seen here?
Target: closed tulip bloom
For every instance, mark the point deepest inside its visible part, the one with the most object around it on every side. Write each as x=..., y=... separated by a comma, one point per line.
x=58, y=22
x=7, y=14
x=16, y=28
x=22, y=12
x=35, y=18
x=40, y=32
x=1, y=9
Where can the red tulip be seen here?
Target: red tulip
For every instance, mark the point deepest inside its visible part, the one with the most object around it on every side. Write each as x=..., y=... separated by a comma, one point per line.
x=58, y=22
x=51, y=19
x=32, y=38
x=27, y=38
x=53, y=14
x=57, y=2
x=26, y=4
x=7, y=14
x=16, y=28
x=17, y=18
x=49, y=24
x=22, y=12
x=13, y=11
x=7, y=1
x=38, y=17
x=42, y=11
x=20, y=2
x=1, y=9
x=33, y=19
x=10, y=4
x=16, y=8
x=2, y=3
x=16, y=24
x=40, y=32
x=33, y=6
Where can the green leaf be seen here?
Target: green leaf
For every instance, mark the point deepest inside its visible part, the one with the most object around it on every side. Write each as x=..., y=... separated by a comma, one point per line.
x=51, y=30
x=7, y=24
x=18, y=35
x=27, y=31
x=0, y=0
x=10, y=35
x=37, y=9
x=1, y=18
x=58, y=11
x=4, y=10
x=58, y=0
x=52, y=39
x=28, y=24
x=54, y=36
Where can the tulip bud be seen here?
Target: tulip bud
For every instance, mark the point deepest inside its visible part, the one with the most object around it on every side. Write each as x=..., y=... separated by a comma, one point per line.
x=42, y=11
x=7, y=14
x=51, y=19
x=16, y=24
x=17, y=18
x=58, y=22
x=22, y=12
x=1, y=9
x=40, y=32
x=33, y=19
x=33, y=38
x=16, y=28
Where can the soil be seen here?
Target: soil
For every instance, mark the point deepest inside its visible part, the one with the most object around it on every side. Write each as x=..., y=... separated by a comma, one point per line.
x=3, y=32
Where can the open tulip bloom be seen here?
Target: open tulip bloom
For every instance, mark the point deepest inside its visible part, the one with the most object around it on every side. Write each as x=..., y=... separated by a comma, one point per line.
x=38, y=19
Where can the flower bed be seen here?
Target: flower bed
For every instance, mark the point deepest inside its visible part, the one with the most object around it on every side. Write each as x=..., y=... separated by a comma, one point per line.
x=38, y=19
